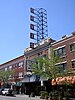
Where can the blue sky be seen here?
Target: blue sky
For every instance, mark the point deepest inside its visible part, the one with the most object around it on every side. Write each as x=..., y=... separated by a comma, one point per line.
x=15, y=22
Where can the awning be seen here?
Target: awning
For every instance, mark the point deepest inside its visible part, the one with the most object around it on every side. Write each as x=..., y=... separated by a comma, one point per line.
x=33, y=78
x=18, y=84
x=64, y=80
x=26, y=79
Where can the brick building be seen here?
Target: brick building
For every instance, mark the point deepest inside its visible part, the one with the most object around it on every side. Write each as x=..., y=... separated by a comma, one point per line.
x=41, y=50
x=18, y=65
x=65, y=48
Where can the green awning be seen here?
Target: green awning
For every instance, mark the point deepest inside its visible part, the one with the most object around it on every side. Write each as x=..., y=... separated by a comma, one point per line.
x=18, y=84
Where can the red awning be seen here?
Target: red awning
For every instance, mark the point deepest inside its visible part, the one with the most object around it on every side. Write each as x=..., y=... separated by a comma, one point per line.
x=64, y=80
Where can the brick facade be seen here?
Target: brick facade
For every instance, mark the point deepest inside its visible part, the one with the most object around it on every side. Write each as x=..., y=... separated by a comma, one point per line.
x=17, y=65
x=66, y=50
x=64, y=47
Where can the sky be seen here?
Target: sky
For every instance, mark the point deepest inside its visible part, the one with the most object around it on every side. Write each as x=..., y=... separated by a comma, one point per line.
x=15, y=23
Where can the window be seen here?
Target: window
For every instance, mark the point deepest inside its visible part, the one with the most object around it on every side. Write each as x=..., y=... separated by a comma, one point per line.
x=20, y=64
x=10, y=76
x=72, y=47
x=6, y=69
x=29, y=63
x=20, y=74
x=62, y=66
x=15, y=66
x=73, y=64
x=56, y=52
x=10, y=67
x=61, y=52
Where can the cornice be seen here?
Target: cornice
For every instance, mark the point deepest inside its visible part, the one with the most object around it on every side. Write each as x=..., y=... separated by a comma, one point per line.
x=37, y=49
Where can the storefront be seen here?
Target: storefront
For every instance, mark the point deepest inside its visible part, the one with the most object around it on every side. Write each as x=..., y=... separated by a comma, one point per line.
x=33, y=85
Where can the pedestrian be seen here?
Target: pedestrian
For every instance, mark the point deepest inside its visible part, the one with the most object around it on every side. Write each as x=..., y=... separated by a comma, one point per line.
x=20, y=91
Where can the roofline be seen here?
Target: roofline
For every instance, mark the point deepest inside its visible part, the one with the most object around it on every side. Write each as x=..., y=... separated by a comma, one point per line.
x=62, y=40
x=35, y=49
x=11, y=60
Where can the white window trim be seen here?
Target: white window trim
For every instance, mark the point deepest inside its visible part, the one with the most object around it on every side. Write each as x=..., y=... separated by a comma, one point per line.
x=61, y=63
x=60, y=47
x=21, y=75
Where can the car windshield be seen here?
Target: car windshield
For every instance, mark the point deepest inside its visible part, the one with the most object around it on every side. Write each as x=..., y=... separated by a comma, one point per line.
x=6, y=89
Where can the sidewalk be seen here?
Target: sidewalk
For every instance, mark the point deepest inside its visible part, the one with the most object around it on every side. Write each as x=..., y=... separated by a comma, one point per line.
x=34, y=98
x=27, y=96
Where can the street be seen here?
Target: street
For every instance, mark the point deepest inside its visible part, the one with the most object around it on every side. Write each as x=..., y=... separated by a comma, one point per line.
x=18, y=97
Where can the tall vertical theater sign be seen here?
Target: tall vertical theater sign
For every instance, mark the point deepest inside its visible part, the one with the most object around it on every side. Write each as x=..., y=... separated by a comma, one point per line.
x=38, y=26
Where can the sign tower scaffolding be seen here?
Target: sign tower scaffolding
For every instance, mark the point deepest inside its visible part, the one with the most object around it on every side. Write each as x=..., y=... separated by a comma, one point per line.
x=39, y=30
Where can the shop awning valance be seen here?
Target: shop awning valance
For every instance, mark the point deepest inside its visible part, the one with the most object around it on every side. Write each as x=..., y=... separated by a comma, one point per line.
x=64, y=80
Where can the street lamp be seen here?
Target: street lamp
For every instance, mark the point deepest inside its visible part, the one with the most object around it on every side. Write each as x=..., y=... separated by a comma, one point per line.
x=29, y=74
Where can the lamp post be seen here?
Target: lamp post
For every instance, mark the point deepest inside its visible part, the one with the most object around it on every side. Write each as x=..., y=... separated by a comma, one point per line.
x=29, y=74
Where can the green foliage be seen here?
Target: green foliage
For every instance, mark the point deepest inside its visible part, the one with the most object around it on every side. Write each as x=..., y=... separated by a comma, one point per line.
x=46, y=67
x=44, y=94
x=49, y=68
x=4, y=75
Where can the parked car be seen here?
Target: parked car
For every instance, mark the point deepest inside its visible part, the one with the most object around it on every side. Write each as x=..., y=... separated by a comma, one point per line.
x=10, y=93
x=5, y=91
x=1, y=89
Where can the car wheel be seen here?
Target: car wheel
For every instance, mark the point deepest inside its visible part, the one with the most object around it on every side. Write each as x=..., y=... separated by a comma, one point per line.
x=5, y=94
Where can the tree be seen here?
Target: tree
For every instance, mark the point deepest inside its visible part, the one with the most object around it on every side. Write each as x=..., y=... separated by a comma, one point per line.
x=5, y=75
x=47, y=67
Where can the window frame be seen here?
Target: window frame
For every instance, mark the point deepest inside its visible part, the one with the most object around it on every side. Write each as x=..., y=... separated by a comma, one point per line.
x=20, y=64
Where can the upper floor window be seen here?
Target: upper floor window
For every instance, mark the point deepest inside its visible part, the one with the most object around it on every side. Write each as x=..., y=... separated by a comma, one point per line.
x=29, y=63
x=72, y=47
x=6, y=69
x=73, y=64
x=10, y=76
x=20, y=74
x=20, y=64
x=10, y=67
x=61, y=52
x=61, y=67
x=15, y=66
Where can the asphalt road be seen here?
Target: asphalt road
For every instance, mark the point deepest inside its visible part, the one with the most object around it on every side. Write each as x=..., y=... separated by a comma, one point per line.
x=18, y=97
